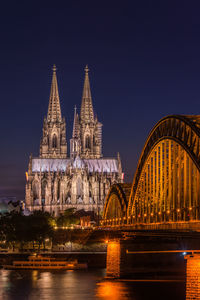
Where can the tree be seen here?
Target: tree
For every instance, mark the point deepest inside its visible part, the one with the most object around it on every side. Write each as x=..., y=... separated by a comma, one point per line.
x=68, y=218
x=17, y=228
x=40, y=226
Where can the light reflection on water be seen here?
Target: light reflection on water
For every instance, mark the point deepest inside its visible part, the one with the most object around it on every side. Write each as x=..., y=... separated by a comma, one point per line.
x=112, y=290
x=83, y=285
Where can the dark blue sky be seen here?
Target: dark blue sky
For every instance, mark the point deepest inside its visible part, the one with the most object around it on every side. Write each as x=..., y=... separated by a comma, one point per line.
x=144, y=60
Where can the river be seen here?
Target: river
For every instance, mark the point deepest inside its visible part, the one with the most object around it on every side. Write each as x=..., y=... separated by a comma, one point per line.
x=83, y=285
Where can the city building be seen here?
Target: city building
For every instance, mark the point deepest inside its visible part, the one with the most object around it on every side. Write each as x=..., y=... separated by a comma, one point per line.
x=10, y=204
x=56, y=181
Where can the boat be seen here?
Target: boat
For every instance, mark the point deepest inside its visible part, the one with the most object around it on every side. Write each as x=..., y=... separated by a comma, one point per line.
x=39, y=262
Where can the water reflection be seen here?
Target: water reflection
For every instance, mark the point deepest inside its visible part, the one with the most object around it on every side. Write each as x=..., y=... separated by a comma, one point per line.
x=112, y=290
x=45, y=280
x=34, y=278
x=81, y=285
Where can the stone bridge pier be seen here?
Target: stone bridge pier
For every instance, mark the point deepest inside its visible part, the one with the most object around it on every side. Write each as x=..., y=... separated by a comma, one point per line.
x=193, y=277
x=117, y=265
x=120, y=264
x=149, y=255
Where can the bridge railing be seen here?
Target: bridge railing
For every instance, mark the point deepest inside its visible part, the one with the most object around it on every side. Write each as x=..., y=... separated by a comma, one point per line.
x=127, y=222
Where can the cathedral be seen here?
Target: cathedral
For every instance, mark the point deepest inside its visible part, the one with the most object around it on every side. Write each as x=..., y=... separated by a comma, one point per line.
x=56, y=181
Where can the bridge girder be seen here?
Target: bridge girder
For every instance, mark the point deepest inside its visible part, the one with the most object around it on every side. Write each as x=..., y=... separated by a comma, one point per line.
x=116, y=201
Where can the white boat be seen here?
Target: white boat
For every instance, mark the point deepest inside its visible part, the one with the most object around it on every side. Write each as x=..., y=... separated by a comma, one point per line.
x=38, y=262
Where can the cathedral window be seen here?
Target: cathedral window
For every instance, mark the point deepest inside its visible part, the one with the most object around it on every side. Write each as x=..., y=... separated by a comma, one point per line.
x=35, y=188
x=87, y=142
x=58, y=191
x=54, y=141
x=44, y=184
x=91, y=201
x=79, y=187
x=68, y=198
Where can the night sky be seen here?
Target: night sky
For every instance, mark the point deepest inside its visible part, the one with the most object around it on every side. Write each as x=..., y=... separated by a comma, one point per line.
x=144, y=61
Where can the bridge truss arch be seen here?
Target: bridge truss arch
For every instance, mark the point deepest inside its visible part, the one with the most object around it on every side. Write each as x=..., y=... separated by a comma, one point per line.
x=166, y=185
x=116, y=203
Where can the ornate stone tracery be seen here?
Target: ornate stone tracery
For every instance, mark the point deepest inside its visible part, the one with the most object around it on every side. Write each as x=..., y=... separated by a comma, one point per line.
x=56, y=182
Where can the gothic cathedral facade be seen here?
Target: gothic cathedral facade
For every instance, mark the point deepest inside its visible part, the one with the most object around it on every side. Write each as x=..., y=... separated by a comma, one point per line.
x=54, y=181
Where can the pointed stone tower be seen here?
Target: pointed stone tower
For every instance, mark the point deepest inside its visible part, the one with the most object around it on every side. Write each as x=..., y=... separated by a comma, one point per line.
x=75, y=142
x=90, y=128
x=87, y=113
x=53, y=143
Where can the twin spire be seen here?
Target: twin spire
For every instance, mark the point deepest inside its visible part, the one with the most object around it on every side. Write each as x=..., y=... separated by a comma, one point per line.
x=87, y=133
x=54, y=110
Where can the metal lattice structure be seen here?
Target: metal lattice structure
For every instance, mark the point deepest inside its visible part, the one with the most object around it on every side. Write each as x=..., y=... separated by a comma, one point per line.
x=116, y=202
x=166, y=185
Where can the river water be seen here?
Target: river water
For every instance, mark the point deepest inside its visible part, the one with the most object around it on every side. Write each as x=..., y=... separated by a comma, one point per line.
x=83, y=285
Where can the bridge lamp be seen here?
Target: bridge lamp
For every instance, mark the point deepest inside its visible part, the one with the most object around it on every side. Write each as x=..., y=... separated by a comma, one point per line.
x=106, y=241
x=184, y=253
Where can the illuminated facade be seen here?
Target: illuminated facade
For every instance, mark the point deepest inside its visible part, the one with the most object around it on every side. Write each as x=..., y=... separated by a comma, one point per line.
x=55, y=181
x=166, y=187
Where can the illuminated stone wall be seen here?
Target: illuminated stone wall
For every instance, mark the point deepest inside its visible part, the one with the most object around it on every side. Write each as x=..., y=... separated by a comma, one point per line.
x=193, y=277
x=117, y=264
x=113, y=259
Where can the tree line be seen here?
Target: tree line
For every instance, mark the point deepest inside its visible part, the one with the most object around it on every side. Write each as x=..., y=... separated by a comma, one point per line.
x=17, y=229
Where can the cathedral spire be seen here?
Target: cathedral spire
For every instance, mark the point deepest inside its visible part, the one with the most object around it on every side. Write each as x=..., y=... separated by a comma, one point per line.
x=54, y=111
x=53, y=143
x=75, y=146
x=87, y=113
x=75, y=132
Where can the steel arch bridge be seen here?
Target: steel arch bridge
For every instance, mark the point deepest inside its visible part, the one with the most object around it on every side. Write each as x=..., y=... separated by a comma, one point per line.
x=166, y=185
x=116, y=202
